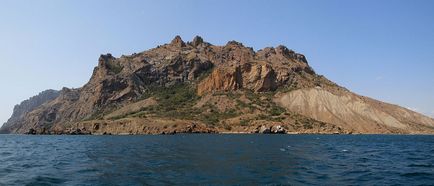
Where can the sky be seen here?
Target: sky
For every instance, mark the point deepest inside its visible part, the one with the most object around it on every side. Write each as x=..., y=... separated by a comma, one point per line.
x=381, y=49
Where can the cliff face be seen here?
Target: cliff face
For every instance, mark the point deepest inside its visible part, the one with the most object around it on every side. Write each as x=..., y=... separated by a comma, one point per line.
x=26, y=106
x=207, y=88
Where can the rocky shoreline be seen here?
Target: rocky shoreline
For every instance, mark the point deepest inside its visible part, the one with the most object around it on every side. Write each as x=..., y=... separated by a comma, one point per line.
x=190, y=129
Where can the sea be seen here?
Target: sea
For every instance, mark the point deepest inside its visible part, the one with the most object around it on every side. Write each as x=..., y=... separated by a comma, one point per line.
x=217, y=159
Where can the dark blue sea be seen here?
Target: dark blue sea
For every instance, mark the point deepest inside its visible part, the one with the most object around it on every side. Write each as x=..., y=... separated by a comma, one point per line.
x=203, y=159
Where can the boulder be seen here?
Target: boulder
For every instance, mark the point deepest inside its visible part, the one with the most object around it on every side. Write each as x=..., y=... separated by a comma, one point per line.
x=277, y=129
x=31, y=131
x=263, y=130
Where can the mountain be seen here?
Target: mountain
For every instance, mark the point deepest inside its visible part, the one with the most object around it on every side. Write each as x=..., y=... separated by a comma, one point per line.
x=25, y=107
x=199, y=87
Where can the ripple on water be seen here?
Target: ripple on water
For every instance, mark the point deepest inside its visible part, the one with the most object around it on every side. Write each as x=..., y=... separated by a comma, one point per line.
x=45, y=180
x=6, y=153
x=422, y=165
x=417, y=174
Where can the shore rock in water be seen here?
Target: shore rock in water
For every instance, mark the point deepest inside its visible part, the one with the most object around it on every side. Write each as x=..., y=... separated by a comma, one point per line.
x=31, y=131
x=264, y=130
x=277, y=129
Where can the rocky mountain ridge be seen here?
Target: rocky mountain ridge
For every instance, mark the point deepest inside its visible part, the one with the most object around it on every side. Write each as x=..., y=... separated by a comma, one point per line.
x=26, y=106
x=198, y=87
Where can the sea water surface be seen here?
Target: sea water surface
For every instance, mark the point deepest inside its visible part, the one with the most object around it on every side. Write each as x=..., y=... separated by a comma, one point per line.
x=203, y=159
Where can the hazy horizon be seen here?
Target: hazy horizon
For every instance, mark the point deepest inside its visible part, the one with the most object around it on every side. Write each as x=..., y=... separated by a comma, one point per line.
x=382, y=50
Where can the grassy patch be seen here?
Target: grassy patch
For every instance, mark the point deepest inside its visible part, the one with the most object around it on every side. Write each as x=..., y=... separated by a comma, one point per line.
x=276, y=110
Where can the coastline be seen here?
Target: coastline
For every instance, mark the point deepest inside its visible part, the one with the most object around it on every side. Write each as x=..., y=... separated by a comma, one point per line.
x=216, y=133
x=174, y=126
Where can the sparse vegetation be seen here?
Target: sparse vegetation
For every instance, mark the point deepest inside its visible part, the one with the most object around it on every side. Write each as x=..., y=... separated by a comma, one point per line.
x=213, y=117
x=276, y=110
x=244, y=122
x=114, y=67
x=177, y=102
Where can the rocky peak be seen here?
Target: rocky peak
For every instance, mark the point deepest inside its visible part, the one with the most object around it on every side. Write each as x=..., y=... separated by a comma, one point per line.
x=197, y=41
x=284, y=51
x=234, y=43
x=177, y=42
x=287, y=53
x=104, y=59
x=281, y=52
x=301, y=57
x=107, y=65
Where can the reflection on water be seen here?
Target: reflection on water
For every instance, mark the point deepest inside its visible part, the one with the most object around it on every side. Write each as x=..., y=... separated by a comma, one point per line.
x=217, y=159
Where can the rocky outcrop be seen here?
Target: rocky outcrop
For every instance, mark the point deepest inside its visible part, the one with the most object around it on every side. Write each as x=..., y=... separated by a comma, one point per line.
x=263, y=130
x=197, y=41
x=199, y=87
x=257, y=77
x=221, y=79
x=261, y=71
x=275, y=129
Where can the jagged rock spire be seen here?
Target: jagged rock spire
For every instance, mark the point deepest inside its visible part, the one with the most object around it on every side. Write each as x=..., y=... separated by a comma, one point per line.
x=197, y=41
x=178, y=42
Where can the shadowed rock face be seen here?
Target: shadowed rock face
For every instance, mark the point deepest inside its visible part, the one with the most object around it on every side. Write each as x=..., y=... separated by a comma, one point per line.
x=113, y=99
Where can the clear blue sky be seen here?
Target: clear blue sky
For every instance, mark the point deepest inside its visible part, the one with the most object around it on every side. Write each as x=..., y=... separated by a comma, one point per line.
x=382, y=49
